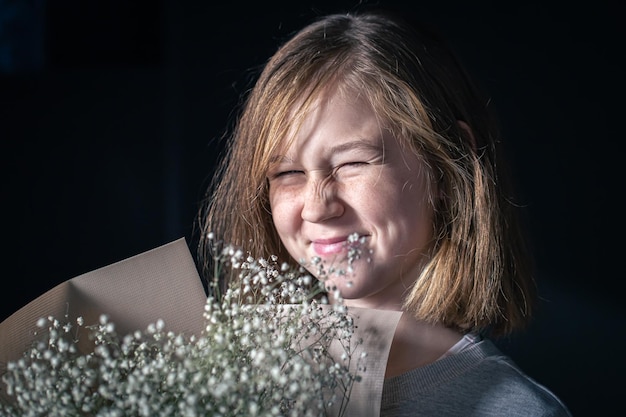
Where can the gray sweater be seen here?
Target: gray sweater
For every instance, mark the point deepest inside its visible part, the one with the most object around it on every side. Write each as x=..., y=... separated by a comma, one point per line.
x=479, y=381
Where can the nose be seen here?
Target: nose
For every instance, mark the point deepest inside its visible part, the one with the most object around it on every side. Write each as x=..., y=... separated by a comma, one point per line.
x=321, y=202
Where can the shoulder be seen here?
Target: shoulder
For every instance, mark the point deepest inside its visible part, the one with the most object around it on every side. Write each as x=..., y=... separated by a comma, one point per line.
x=479, y=381
x=502, y=385
x=498, y=386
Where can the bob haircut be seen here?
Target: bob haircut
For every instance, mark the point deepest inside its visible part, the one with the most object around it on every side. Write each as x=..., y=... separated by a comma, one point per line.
x=479, y=275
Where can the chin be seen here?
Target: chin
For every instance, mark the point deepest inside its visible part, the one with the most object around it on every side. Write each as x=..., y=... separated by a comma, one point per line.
x=347, y=291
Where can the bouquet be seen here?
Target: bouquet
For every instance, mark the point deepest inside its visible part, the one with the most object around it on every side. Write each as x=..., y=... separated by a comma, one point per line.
x=271, y=345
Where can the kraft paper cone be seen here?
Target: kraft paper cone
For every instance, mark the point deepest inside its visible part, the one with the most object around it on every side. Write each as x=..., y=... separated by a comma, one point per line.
x=376, y=328
x=163, y=283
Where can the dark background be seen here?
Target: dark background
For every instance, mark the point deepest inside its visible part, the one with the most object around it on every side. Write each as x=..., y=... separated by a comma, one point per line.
x=109, y=112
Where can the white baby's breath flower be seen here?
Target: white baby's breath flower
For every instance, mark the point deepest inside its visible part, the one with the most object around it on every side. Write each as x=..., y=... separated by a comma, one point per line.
x=264, y=351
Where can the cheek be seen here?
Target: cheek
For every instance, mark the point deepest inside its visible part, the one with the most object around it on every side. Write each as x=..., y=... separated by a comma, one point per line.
x=284, y=212
x=386, y=194
x=400, y=203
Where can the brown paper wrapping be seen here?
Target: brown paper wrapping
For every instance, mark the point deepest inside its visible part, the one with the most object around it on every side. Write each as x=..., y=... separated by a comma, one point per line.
x=163, y=283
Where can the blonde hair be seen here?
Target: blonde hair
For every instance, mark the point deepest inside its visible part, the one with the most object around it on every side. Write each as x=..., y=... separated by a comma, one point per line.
x=479, y=275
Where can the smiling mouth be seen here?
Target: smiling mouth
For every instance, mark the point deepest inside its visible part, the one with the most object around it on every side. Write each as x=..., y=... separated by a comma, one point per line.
x=331, y=246
x=327, y=248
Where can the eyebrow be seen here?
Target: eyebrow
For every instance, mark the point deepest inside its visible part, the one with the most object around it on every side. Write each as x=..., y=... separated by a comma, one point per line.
x=280, y=158
x=358, y=144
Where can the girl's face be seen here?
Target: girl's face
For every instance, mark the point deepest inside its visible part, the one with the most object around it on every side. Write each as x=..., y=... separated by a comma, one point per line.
x=342, y=174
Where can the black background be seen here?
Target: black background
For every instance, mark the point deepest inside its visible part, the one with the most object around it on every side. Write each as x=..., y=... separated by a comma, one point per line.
x=110, y=112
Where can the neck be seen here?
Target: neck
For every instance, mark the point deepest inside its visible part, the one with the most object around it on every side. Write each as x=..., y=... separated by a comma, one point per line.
x=417, y=343
x=390, y=303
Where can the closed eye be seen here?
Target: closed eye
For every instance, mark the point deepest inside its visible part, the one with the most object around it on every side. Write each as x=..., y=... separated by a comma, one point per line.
x=287, y=173
x=351, y=164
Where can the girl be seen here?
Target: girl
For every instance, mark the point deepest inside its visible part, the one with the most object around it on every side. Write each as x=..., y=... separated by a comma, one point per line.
x=364, y=125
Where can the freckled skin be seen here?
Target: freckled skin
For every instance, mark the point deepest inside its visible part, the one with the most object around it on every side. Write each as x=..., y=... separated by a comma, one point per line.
x=345, y=173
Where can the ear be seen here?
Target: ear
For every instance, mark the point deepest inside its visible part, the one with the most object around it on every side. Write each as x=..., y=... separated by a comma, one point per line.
x=469, y=134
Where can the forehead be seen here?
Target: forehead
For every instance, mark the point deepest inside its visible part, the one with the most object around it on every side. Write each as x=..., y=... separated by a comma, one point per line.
x=334, y=116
